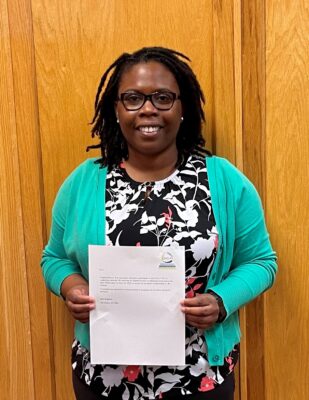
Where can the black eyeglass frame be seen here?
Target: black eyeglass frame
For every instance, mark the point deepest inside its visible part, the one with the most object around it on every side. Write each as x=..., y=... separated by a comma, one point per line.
x=149, y=97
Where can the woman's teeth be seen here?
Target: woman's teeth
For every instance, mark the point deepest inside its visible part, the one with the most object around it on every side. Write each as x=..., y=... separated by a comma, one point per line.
x=149, y=129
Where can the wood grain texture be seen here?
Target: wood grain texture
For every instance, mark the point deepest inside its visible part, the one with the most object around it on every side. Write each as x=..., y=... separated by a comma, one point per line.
x=223, y=77
x=241, y=369
x=253, y=148
x=74, y=43
x=287, y=151
x=253, y=84
x=16, y=379
x=29, y=152
x=238, y=74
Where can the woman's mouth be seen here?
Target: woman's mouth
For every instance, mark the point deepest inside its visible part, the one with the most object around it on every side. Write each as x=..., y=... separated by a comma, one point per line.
x=149, y=130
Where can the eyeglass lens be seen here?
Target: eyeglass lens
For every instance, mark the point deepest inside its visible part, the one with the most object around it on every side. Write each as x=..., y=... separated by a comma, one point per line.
x=161, y=100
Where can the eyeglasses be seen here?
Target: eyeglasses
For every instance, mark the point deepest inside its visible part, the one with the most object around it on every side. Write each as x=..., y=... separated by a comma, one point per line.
x=163, y=100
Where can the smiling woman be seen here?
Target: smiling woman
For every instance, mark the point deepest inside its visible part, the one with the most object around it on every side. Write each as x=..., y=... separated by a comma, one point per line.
x=161, y=188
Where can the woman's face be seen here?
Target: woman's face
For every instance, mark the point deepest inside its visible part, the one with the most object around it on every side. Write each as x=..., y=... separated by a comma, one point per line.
x=149, y=131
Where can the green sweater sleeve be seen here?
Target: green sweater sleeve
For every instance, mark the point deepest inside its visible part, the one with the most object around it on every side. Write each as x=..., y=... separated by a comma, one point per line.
x=56, y=266
x=253, y=262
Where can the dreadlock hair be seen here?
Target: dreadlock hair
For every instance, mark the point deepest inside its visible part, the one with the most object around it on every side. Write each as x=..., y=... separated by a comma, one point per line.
x=104, y=124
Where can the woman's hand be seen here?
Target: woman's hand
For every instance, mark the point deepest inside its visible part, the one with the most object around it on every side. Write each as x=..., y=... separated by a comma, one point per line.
x=202, y=311
x=75, y=290
x=79, y=302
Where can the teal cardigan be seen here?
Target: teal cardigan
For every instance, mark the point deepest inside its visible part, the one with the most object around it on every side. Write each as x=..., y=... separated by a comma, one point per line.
x=245, y=264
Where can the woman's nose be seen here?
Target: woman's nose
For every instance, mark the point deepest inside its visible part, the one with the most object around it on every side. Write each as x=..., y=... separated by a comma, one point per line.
x=148, y=107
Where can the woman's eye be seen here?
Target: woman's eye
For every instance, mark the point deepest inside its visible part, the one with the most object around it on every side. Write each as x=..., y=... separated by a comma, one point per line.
x=163, y=98
x=133, y=98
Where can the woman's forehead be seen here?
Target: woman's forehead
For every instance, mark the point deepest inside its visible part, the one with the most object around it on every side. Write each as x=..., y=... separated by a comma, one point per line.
x=151, y=73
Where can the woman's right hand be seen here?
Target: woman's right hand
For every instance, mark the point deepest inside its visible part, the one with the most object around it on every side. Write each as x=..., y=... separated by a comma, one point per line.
x=75, y=290
x=79, y=302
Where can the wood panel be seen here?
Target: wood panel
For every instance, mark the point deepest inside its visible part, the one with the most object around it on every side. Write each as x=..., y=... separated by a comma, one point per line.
x=223, y=79
x=227, y=97
x=29, y=152
x=253, y=87
x=287, y=152
x=74, y=44
x=16, y=379
x=253, y=150
x=241, y=368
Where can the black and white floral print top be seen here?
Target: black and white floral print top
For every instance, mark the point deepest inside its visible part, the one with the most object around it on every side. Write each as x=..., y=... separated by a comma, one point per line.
x=175, y=211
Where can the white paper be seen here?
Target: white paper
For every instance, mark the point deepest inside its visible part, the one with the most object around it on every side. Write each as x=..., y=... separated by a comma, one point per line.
x=137, y=319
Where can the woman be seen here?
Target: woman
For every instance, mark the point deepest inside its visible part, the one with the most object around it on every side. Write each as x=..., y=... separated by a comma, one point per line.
x=154, y=168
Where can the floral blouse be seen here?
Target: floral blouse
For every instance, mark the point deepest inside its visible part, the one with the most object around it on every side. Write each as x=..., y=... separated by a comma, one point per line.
x=175, y=211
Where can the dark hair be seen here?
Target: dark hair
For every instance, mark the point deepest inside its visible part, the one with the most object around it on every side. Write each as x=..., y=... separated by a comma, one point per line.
x=189, y=138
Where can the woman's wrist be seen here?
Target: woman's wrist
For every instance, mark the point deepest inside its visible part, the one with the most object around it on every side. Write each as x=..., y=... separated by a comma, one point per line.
x=222, y=310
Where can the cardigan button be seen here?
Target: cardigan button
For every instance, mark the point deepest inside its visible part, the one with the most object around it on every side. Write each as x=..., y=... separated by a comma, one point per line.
x=215, y=358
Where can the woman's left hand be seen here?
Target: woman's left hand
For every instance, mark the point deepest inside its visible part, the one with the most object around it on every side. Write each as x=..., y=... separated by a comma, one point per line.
x=202, y=311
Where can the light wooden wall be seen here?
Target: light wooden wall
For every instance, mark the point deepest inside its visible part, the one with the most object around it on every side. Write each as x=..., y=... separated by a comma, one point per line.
x=287, y=197
x=251, y=58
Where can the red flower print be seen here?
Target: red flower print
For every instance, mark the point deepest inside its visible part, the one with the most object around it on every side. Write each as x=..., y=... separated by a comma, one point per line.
x=131, y=372
x=206, y=384
x=229, y=360
x=190, y=294
x=160, y=395
x=190, y=281
x=138, y=244
x=196, y=287
x=168, y=217
x=121, y=165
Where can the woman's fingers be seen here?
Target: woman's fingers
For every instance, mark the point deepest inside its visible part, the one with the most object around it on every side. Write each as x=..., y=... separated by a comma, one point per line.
x=199, y=300
x=84, y=317
x=200, y=325
x=202, y=316
x=80, y=303
x=80, y=312
x=201, y=311
x=80, y=308
x=202, y=320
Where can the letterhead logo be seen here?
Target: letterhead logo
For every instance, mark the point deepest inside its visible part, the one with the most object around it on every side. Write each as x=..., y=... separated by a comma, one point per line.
x=167, y=260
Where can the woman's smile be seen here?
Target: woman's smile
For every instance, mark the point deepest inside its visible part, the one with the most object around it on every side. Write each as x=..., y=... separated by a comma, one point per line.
x=149, y=130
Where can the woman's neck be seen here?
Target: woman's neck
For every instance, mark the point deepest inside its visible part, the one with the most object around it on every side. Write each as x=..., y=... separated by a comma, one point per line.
x=143, y=168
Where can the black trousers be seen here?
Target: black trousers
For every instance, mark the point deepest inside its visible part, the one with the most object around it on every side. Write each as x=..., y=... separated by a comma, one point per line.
x=221, y=392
